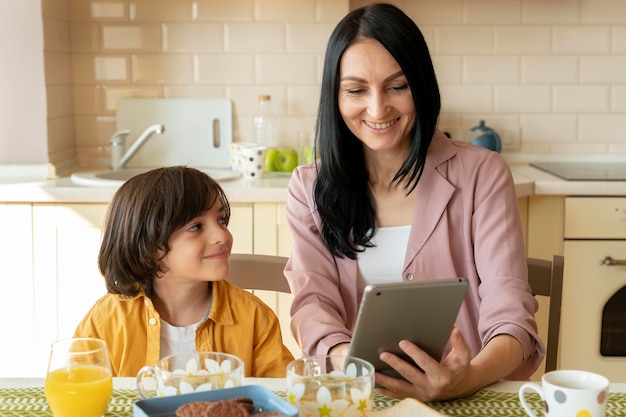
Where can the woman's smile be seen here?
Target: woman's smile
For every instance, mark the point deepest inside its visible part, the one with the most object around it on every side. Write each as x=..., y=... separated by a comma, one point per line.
x=380, y=126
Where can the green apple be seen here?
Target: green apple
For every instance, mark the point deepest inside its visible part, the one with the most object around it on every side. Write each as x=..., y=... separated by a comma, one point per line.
x=286, y=160
x=270, y=159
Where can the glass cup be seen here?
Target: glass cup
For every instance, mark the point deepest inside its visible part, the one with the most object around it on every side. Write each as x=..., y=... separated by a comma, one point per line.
x=79, y=381
x=305, y=147
x=341, y=386
x=187, y=372
x=568, y=393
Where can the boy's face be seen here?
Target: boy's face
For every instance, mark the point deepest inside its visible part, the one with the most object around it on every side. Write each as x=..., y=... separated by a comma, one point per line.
x=200, y=250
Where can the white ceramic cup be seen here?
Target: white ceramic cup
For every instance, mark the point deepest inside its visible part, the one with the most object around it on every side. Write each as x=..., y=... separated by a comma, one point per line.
x=249, y=158
x=569, y=393
x=188, y=372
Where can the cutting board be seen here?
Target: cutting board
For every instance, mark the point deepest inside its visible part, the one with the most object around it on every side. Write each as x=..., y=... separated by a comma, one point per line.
x=198, y=132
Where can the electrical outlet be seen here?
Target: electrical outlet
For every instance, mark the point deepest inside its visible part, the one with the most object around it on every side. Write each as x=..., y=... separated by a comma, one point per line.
x=510, y=139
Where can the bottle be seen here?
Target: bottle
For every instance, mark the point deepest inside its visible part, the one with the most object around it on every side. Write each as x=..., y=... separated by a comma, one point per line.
x=265, y=124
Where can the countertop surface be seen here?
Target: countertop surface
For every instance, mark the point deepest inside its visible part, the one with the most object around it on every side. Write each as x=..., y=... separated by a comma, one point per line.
x=528, y=181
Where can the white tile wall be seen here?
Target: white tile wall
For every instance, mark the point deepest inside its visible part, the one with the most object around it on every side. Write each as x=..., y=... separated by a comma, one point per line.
x=581, y=40
x=543, y=69
x=581, y=99
x=603, y=69
x=553, y=71
x=551, y=12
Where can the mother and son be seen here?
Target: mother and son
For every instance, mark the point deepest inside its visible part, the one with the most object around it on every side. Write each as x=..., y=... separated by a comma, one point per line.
x=389, y=197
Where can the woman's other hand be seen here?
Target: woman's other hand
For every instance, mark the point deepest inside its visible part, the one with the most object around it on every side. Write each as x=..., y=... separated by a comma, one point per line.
x=449, y=379
x=457, y=375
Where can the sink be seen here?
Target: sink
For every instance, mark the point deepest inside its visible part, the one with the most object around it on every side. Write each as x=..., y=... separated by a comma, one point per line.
x=111, y=178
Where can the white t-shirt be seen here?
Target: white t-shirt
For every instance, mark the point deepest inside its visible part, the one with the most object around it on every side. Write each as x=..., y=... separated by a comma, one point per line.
x=176, y=339
x=384, y=262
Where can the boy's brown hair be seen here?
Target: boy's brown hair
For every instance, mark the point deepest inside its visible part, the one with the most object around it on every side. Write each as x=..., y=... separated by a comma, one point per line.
x=144, y=213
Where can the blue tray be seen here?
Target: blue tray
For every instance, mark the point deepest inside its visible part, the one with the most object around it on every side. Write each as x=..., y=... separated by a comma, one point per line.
x=264, y=400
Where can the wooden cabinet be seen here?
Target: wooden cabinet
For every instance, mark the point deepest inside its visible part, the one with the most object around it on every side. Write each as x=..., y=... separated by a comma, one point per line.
x=542, y=218
x=594, y=285
x=545, y=226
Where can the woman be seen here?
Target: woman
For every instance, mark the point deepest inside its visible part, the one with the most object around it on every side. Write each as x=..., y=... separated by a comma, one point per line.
x=392, y=198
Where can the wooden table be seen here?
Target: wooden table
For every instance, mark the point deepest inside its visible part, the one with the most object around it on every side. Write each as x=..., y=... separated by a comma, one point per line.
x=24, y=397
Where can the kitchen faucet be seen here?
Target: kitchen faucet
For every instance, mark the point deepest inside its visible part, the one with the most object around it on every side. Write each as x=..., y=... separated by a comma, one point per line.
x=119, y=160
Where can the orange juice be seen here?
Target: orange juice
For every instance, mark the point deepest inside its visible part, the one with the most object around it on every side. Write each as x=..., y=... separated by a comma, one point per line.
x=80, y=391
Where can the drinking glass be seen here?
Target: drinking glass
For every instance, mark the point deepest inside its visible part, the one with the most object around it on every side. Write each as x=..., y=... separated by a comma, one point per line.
x=187, y=372
x=326, y=385
x=79, y=381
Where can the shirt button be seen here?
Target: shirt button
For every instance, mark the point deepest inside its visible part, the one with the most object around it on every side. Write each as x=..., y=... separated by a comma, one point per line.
x=409, y=277
x=152, y=321
x=146, y=302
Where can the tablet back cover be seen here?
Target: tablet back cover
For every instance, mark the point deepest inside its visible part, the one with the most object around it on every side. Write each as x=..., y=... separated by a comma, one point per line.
x=422, y=311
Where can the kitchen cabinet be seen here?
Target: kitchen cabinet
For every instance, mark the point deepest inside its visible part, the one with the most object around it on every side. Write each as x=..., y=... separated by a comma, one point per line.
x=545, y=226
x=271, y=237
x=585, y=229
x=594, y=286
x=543, y=223
x=17, y=288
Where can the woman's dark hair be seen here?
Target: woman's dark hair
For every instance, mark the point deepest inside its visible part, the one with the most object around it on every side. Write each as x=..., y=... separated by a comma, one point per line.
x=146, y=210
x=342, y=194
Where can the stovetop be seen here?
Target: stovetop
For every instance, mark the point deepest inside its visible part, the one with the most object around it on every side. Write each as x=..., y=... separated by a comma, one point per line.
x=585, y=171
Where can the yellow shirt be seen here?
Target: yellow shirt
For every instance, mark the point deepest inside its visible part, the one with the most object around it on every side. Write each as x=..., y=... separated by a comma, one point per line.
x=239, y=323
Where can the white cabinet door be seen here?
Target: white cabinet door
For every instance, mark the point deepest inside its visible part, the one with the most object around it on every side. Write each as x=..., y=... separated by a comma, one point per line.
x=271, y=237
x=240, y=227
x=67, y=281
x=16, y=287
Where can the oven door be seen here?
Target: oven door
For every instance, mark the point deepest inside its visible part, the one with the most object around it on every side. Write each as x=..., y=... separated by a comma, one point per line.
x=593, y=331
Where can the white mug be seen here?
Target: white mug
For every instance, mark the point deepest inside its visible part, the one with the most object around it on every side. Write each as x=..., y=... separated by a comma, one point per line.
x=249, y=158
x=569, y=393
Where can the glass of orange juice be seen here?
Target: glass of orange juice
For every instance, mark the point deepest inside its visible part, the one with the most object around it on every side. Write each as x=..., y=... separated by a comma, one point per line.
x=78, y=381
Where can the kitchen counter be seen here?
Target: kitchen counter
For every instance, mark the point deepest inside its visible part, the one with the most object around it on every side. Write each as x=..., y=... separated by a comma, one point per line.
x=528, y=181
x=63, y=190
x=548, y=184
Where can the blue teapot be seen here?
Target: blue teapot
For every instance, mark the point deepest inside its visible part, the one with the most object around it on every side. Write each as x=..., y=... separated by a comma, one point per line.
x=487, y=137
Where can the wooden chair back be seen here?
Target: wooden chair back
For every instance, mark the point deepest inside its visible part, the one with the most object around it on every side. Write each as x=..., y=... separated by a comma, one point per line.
x=546, y=278
x=258, y=272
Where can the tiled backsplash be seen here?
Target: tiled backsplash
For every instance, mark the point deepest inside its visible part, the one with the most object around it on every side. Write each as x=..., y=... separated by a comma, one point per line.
x=549, y=73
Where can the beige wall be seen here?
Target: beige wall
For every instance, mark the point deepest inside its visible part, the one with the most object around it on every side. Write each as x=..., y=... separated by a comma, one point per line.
x=22, y=88
x=549, y=73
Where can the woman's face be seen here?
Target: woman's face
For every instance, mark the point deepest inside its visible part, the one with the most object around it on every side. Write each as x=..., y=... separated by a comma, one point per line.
x=375, y=100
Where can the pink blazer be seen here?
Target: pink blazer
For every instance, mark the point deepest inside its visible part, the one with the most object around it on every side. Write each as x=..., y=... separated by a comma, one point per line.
x=466, y=224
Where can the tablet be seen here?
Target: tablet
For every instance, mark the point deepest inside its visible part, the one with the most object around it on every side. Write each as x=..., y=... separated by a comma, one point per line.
x=420, y=311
